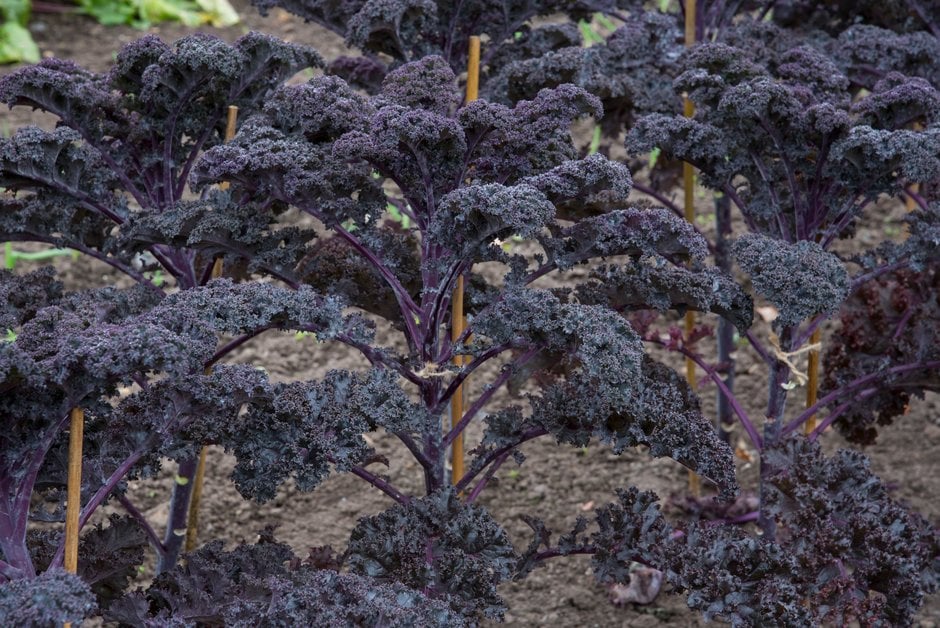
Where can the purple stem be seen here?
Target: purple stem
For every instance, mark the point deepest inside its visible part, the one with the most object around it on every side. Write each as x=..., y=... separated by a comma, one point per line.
x=526, y=436
x=381, y=484
x=759, y=347
x=861, y=382
x=555, y=552
x=746, y=422
x=9, y=572
x=102, y=493
x=839, y=411
x=465, y=373
x=377, y=359
x=234, y=344
x=493, y=468
x=745, y=518
x=802, y=336
x=486, y=395
x=407, y=305
x=179, y=513
x=415, y=450
x=918, y=8
x=668, y=204
x=777, y=399
x=139, y=517
x=860, y=280
x=17, y=513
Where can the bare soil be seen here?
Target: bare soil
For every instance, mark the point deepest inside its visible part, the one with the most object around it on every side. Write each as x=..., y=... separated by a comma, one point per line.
x=556, y=483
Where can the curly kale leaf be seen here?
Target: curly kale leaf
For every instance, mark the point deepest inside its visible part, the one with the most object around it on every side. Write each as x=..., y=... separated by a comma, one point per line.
x=884, y=159
x=631, y=530
x=302, y=429
x=649, y=283
x=835, y=17
x=869, y=52
x=472, y=218
x=897, y=101
x=888, y=333
x=610, y=390
x=79, y=354
x=409, y=30
x=427, y=84
x=365, y=73
x=592, y=185
x=50, y=599
x=731, y=575
x=633, y=232
x=657, y=409
x=108, y=557
x=272, y=157
x=227, y=307
x=800, y=279
x=532, y=137
x=266, y=583
x=827, y=505
x=22, y=296
x=439, y=545
x=334, y=267
x=202, y=408
x=240, y=234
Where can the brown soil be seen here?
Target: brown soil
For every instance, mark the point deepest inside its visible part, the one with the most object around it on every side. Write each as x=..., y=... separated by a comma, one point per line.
x=556, y=483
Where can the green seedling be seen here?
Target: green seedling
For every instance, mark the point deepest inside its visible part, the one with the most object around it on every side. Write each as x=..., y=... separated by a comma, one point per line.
x=595, y=140
x=11, y=256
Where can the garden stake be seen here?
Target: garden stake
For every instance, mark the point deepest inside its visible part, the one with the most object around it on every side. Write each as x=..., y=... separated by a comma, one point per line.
x=192, y=519
x=812, y=386
x=74, y=491
x=688, y=184
x=458, y=320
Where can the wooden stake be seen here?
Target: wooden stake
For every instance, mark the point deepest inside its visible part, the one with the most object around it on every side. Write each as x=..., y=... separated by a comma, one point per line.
x=688, y=184
x=73, y=505
x=229, y=133
x=458, y=320
x=812, y=384
x=192, y=516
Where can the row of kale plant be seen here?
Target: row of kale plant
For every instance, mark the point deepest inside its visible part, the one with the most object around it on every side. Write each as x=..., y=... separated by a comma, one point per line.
x=799, y=143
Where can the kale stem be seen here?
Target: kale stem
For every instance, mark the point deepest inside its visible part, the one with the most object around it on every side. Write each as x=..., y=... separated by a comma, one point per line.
x=497, y=463
x=9, y=572
x=839, y=411
x=179, y=513
x=487, y=394
x=495, y=455
x=383, y=485
x=860, y=382
x=465, y=372
x=746, y=422
x=141, y=520
x=777, y=399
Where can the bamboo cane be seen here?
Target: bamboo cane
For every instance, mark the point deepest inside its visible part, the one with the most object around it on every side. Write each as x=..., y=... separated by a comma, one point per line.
x=812, y=384
x=688, y=184
x=74, y=491
x=192, y=518
x=458, y=320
